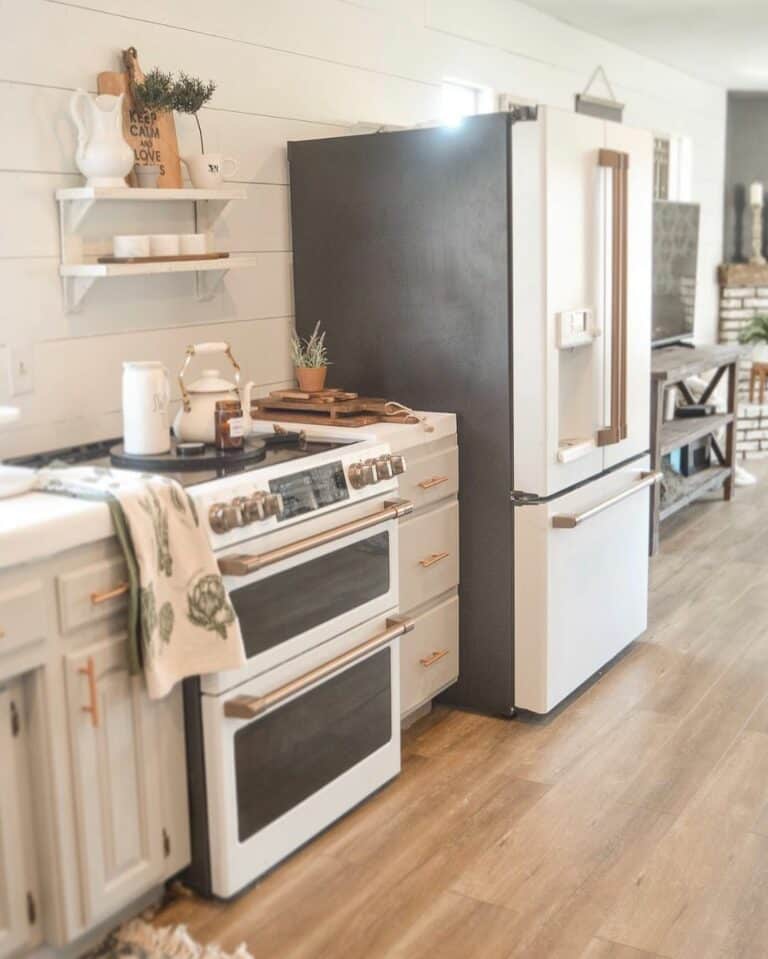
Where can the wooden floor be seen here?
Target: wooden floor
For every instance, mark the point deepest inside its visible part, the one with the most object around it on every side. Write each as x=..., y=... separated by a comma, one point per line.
x=634, y=825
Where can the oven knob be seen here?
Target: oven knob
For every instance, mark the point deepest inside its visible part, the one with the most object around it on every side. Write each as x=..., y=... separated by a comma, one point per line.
x=384, y=468
x=224, y=517
x=252, y=507
x=273, y=505
x=398, y=463
x=355, y=473
x=370, y=473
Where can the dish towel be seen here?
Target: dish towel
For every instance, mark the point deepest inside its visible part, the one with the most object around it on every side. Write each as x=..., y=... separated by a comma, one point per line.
x=181, y=621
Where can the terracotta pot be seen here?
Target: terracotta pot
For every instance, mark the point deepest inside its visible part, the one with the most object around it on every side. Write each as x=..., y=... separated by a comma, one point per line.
x=311, y=378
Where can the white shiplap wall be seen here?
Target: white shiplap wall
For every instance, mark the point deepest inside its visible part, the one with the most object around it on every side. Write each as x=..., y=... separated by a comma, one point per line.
x=286, y=69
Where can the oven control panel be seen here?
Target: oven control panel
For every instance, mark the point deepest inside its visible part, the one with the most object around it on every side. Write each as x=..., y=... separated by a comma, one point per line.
x=303, y=491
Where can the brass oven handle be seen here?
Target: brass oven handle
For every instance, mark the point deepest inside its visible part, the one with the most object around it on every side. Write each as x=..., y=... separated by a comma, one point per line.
x=571, y=520
x=120, y=590
x=432, y=559
x=241, y=564
x=434, y=658
x=616, y=431
x=432, y=482
x=248, y=707
x=93, y=695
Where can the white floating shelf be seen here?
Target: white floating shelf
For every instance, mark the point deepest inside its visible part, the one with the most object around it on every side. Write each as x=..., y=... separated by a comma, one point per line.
x=156, y=194
x=79, y=277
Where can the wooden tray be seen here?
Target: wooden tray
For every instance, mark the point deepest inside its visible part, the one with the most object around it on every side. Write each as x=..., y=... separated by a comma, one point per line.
x=361, y=411
x=179, y=258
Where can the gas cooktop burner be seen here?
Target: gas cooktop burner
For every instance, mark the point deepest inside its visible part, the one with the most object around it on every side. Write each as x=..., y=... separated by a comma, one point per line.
x=260, y=451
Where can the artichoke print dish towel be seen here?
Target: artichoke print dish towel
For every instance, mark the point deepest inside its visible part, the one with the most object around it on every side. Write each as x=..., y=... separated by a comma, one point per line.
x=181, y=621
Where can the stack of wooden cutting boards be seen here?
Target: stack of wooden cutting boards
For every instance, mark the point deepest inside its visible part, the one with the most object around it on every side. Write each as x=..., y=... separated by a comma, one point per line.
x=326, y=407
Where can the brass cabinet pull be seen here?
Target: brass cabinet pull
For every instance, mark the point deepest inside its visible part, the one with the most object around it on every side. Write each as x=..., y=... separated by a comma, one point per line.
x=432, y=559
x=248, y=707
x=616, y=431
x=89, y=670
x=120, y=590
x=571, y=520
x=435, y=657
x=432, y=482
x=241, y=564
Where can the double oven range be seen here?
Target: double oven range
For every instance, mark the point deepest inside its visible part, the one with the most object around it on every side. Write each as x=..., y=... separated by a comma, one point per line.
x=306, y=540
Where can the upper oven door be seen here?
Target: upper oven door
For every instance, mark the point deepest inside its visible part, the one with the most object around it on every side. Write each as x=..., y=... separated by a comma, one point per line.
x=298, y=603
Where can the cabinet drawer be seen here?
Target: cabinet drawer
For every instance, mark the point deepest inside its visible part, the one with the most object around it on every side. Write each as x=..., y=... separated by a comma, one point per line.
x=22, y=615
x=429, y=555
x=92, y=592
x=432, y=478
x=429, y=655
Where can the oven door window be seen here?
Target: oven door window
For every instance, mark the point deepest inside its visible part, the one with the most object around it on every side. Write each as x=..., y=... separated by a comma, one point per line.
x=297, y=749
x=279, y=607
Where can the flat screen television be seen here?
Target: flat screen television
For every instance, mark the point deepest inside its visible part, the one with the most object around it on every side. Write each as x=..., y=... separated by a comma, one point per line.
x=675, y=257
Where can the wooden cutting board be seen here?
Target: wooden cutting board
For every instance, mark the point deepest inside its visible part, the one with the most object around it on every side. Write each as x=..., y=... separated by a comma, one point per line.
x=152, y=136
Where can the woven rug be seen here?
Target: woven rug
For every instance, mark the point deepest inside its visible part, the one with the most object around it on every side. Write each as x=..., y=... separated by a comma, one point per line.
x=138, y=939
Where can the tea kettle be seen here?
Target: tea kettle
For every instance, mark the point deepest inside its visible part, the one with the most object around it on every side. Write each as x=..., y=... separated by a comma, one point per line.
x=102, y=156
x=195, y=421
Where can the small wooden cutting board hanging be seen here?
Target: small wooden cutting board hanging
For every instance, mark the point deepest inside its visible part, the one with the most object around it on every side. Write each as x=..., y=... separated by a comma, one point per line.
x=152, y=136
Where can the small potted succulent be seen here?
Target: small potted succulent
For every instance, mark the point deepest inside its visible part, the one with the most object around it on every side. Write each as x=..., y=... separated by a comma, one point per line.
x=310, y=360
x=756, y=332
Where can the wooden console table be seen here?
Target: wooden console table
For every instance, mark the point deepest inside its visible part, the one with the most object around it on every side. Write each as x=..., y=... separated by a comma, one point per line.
x=670, y=367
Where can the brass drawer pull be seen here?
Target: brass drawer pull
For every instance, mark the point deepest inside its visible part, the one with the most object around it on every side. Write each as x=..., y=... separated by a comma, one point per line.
x=249, y=707
x=432, y=559
x=432, y=482
x=120, y=590
x=93, y=708
x=435, y=657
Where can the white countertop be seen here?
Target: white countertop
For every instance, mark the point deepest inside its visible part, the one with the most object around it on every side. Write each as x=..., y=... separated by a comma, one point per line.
x=38, y=525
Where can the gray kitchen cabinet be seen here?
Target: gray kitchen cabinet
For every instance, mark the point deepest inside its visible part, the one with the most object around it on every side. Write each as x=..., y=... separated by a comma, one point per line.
x=19, y=927
x=116, y=778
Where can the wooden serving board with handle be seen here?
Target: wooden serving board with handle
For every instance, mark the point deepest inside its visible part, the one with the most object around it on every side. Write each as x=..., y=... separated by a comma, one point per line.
x=360, y=411
x=151, y=136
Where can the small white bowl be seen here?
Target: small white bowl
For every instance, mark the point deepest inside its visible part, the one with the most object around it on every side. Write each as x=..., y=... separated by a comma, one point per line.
x=164, y=244
x=193, y=244
x=125, y=245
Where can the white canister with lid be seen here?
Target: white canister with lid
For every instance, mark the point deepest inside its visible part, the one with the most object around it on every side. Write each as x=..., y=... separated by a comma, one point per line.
x=146, y=395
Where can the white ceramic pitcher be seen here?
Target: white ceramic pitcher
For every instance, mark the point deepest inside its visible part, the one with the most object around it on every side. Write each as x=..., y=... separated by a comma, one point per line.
x=103, y=156
x=146, y=395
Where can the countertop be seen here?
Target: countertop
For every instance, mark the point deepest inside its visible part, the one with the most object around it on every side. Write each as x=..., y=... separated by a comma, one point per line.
x=38, y=525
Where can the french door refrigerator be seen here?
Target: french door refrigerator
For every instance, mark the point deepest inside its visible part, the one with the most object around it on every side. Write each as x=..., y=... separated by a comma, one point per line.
x=501, y=269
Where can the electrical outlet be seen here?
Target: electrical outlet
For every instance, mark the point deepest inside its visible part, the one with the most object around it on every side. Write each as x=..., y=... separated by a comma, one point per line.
x=21, y=369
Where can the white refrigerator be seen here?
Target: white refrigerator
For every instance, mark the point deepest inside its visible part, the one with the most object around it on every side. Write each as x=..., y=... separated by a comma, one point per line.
x=501, y=269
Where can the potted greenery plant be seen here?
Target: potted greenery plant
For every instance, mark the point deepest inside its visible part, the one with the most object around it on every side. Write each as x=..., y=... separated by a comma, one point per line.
x=153, y=95
x=756, y=332
x=206, y=170
x=310, y=360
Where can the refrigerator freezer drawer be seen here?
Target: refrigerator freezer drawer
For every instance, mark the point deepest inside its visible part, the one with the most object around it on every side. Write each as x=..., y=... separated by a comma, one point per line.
x=581, y=584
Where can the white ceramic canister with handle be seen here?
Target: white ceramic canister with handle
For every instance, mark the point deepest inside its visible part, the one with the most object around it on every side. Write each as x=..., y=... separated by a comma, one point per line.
x=146, y=395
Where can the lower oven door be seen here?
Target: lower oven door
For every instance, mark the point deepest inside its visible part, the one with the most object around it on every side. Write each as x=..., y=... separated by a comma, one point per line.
x=296, y=604
x=325, y=734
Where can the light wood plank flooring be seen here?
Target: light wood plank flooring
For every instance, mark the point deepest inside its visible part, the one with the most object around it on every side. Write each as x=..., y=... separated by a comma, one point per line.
x=633, y=825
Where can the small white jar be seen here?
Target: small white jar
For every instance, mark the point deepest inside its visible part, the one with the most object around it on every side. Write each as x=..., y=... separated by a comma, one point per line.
x=130, y=246
x=193, y=244
x=164, y=244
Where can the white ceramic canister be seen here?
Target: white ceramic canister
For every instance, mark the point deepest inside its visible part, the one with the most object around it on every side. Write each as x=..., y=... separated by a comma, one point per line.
x=130, y=245
x=193, y=244
x=164, y=244
x=146, y=395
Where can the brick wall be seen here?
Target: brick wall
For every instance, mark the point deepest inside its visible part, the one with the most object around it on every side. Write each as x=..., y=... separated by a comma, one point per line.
x=744, y=295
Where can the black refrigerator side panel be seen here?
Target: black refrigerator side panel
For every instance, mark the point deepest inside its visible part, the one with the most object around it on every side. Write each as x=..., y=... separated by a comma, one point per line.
x=401, y=250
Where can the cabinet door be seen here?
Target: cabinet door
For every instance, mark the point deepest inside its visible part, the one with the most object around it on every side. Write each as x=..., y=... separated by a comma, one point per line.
x=17, y=896
x=115, y=778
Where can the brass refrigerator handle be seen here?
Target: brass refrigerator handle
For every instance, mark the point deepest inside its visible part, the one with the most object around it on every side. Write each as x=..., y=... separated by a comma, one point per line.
x=241, y=564
x=120, y=590
x=249, y=707
x=89, y=670
x=571, y=520
x=616, y=431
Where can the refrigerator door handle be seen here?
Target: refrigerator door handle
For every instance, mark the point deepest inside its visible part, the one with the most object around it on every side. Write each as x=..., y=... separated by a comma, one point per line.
x=618, y=164
x=572, y=520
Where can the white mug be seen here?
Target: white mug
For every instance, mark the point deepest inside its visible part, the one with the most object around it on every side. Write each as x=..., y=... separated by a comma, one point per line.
x=127, y=246
x=193, y=244
x=164, y=244
x=146, y=395
x=206, y=170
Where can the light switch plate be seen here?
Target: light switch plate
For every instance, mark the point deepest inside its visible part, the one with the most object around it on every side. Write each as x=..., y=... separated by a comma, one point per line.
x=21, y=364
